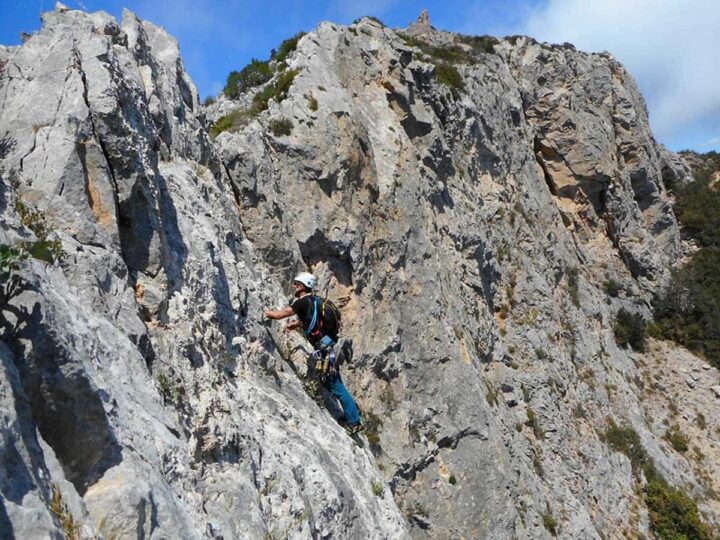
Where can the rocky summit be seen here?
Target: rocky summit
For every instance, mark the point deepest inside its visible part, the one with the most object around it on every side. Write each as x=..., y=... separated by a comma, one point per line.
x=480, y=209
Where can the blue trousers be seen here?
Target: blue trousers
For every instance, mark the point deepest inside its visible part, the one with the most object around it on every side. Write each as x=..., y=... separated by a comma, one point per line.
x=337, y=389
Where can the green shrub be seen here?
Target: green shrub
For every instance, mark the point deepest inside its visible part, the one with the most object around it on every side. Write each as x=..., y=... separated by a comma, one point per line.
x=689, y=310
x=43, y=249
x=10, y=259
x=550, y=523
x=677, y=439
x=493, y=394
x=230, y=122
x=448, y=75
x=534, y=423
x=626, y=441
x=278, y=91
x=481, y=44
x=630, y=329
x=11, y=284
x=281, y=126
x=612, y=288
x=258, y=72
x=674, y=515
x=454, y=53
x=286, y=48
x=170, y=390
x=377, y=488
x=369, y=17
x=209, y=100
x=373, y=423
x=452, y=480
x=312, y=103
x=254, y=74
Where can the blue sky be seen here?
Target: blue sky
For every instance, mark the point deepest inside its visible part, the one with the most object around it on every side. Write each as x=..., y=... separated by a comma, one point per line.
x=671, y=47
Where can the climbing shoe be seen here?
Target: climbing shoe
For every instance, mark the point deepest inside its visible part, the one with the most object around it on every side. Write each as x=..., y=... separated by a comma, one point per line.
x=355, y=428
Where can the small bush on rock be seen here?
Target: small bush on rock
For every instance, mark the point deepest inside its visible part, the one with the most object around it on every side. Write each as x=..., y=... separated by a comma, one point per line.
x=481, y=44
x=281, y=126
x=448, y=75
x=277, y=91
x=230, y=122
x=630, y=329
x=673, y=514
x=612, y=288
x=286, y=48
x=549, y=522
x=254, y=74
x=677, y=439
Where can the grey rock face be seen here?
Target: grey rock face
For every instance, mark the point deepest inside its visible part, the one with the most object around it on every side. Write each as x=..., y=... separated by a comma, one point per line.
x=162, y=399
x=466, y=234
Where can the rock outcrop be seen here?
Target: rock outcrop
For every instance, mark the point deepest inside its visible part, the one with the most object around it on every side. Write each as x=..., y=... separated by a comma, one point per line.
x=467, y=231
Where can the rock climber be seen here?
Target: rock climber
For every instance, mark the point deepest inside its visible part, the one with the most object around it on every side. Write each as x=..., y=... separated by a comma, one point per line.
x=306, y=305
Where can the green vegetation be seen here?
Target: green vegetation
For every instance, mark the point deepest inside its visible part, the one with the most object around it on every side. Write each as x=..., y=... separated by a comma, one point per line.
x=493, y=394
x=286, y=48
x=534, y=423
x=377, y=488
x=254, y=74
x=689, y=311
x=480, y=44
x=452, y=480
x=448, y=75
x=10, y=259
x=277, y=91
x=369, y=17
x=630, y=329
x=549, y=522
x=209, y=100
x=258, y=72
x=373, y=424
x=444, y=58
x=169, y=389
x=454, y=54
x=626, y=441
x=312, y=103
x=677, y=439
x=229, y=122
x=43, y=249
x=281, y=126
x=419, y=509
x=12, y=256
x=673, y=514
x=612, y=288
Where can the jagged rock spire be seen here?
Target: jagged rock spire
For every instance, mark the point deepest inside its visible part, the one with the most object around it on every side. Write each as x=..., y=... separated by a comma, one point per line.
x=423, y=20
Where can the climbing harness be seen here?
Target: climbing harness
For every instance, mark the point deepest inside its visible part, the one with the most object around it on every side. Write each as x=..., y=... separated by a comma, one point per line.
x=324, y=358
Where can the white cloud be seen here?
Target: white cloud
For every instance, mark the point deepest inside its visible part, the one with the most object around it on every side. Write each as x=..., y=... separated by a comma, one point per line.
x=715, y=141
x=670, y=47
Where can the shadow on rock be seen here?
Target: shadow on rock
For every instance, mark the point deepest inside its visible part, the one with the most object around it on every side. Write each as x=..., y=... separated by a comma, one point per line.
x=66, y=405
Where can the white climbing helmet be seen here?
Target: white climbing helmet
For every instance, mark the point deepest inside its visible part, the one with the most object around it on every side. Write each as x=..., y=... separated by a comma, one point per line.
x=306, y=279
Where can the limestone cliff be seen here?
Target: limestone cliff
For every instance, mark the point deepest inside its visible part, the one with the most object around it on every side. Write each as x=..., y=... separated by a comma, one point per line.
x=468, y=231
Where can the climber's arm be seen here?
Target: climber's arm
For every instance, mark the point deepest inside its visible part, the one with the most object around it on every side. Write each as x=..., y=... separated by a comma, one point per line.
x=279, y=313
